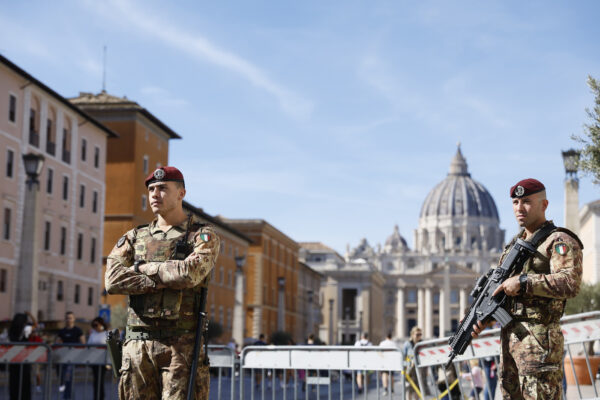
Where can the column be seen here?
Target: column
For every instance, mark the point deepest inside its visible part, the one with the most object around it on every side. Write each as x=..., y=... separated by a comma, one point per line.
x=428, y=328
x=238, y=308
x=400, y=319
x=421, y=308
x=443, y=315
x=462, y=301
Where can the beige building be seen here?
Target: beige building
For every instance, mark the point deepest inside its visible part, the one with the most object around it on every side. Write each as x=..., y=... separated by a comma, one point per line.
x=68, y=236
x=309, y=301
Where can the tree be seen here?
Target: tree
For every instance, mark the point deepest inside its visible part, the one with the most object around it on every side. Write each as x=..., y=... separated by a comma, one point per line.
x=589, y=162
x=588, y=299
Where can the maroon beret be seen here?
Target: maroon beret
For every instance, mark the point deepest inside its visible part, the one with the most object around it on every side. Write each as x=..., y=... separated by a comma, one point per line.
x=526, y=187
x=164, y=174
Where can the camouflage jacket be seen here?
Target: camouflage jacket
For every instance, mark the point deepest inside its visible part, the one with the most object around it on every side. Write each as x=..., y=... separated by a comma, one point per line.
x=160, y=307
x=553, y=275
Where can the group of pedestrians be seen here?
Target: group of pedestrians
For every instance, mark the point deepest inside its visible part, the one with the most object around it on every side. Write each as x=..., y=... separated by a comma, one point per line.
x=24, y=328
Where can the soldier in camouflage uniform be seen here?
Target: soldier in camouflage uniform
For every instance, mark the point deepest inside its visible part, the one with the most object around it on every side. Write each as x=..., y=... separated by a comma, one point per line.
x=533, y=344
x=163, y=294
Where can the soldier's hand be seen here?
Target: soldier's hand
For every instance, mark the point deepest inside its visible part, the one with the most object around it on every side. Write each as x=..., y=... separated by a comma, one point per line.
x=511, y=287
x=477, y=328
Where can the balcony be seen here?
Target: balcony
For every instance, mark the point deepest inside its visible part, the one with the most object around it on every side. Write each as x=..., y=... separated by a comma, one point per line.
x=34, y=138
x=66, y=156
x=51, y=148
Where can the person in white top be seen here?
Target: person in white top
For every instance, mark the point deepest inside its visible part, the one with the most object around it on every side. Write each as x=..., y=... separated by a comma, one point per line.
x=388, y=384
x=364, y=341
x=98, y=336
x=476, y=378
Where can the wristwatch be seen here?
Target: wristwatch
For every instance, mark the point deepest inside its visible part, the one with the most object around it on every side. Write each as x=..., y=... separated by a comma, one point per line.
x=523, y=283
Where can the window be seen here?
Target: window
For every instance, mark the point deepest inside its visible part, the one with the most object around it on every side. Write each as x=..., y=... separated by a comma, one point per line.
x=47, y=229
x=50, y=136
x=65, y=188
x=59, y=291
x=7, y=218
x=411, y=296
x=436, y=298
x=3, y=273
x=81, y=196
x=144, y=202
x=221, y=276
x=95, y=202
x=34, y=135
x=83, y=149
x=454, y=296
x=10, y=162
x=96, y=157
x=229, y=280
x=145, y=165
x=63, y=240
x=66, y=142
x=12, y=108
x=93, y=251
x=90, y=296
x=49, y=179
x=77, y=293
x=79, y=246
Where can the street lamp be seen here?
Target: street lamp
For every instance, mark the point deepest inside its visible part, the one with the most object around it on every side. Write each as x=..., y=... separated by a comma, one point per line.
x=26, y=296
x=33, y=166
x=571, y=162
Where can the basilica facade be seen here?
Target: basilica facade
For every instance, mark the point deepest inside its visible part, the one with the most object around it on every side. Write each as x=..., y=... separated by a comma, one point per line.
x=392, y=288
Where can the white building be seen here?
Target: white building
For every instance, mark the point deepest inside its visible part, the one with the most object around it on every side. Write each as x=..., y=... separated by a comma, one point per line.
x=394, y=288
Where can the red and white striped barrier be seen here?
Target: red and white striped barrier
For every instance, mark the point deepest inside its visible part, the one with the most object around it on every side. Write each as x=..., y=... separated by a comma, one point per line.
x=23, y=353
x=576, y=329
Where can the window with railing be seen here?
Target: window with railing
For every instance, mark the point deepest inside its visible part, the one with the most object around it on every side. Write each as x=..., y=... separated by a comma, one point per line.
x=34, y=136
x=51, y=134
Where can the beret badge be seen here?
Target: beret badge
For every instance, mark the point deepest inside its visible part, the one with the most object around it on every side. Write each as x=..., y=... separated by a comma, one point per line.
x=519, y=190
x=159, y=174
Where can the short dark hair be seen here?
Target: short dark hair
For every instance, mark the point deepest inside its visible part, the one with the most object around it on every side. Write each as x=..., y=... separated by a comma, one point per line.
x=69, y=312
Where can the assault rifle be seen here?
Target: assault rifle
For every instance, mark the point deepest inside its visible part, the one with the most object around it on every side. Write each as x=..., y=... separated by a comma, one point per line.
x=486, y=307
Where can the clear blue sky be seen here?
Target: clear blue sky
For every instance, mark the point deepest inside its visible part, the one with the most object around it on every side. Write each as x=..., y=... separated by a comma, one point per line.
x=333, y=120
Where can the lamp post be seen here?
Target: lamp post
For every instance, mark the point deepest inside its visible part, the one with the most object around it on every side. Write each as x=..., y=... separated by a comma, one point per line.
x=571, y=161
x=27, y=274
x=238, y=306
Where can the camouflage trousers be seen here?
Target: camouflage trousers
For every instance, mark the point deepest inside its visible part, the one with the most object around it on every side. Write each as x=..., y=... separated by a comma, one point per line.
x=160, y=369
x=531, y=361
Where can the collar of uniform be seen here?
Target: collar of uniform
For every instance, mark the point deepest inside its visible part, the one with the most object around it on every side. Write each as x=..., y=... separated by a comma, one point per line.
x=522, y=233
x=180, y=228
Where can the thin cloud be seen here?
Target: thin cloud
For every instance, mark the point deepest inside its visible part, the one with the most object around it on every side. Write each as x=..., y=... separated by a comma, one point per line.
x=162, y=96
x=132, y=15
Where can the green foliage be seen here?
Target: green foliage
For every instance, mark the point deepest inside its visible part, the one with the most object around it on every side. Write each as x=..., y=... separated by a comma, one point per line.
x=588, y=299
x=214, y=330
x=590, y=154
x=281, y=338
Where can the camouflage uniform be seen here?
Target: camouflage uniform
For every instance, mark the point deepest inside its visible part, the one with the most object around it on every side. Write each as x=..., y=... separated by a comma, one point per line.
x=156, y=362
x=532, y=345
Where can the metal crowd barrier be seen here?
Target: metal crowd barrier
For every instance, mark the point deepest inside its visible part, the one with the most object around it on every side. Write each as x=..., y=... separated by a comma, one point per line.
x=302, y=370
x=580, y=332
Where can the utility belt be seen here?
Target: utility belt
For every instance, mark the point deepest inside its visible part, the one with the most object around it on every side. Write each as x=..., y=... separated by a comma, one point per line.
x=533, y=310
x=154, y=334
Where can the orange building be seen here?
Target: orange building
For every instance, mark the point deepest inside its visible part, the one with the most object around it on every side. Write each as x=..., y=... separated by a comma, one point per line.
x=272, y=270
x=143, y=145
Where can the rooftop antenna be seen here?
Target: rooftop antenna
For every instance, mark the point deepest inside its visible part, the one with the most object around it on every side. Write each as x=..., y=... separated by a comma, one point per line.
x=104, y=71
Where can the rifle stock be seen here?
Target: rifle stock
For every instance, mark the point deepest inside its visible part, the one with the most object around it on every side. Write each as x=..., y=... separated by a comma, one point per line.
x=486, y=307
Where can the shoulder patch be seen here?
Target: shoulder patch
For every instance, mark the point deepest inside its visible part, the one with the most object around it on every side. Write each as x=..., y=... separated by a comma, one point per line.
x=121, y=241
x=206, y=237
x=561, y=248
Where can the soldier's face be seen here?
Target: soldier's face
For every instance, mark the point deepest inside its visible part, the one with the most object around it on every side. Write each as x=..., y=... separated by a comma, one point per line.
x=69, y=319
x=530, y=211
x=164, y=196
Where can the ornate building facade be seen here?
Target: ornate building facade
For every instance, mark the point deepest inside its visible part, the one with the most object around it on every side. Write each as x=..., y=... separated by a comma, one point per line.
x=392, y=288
